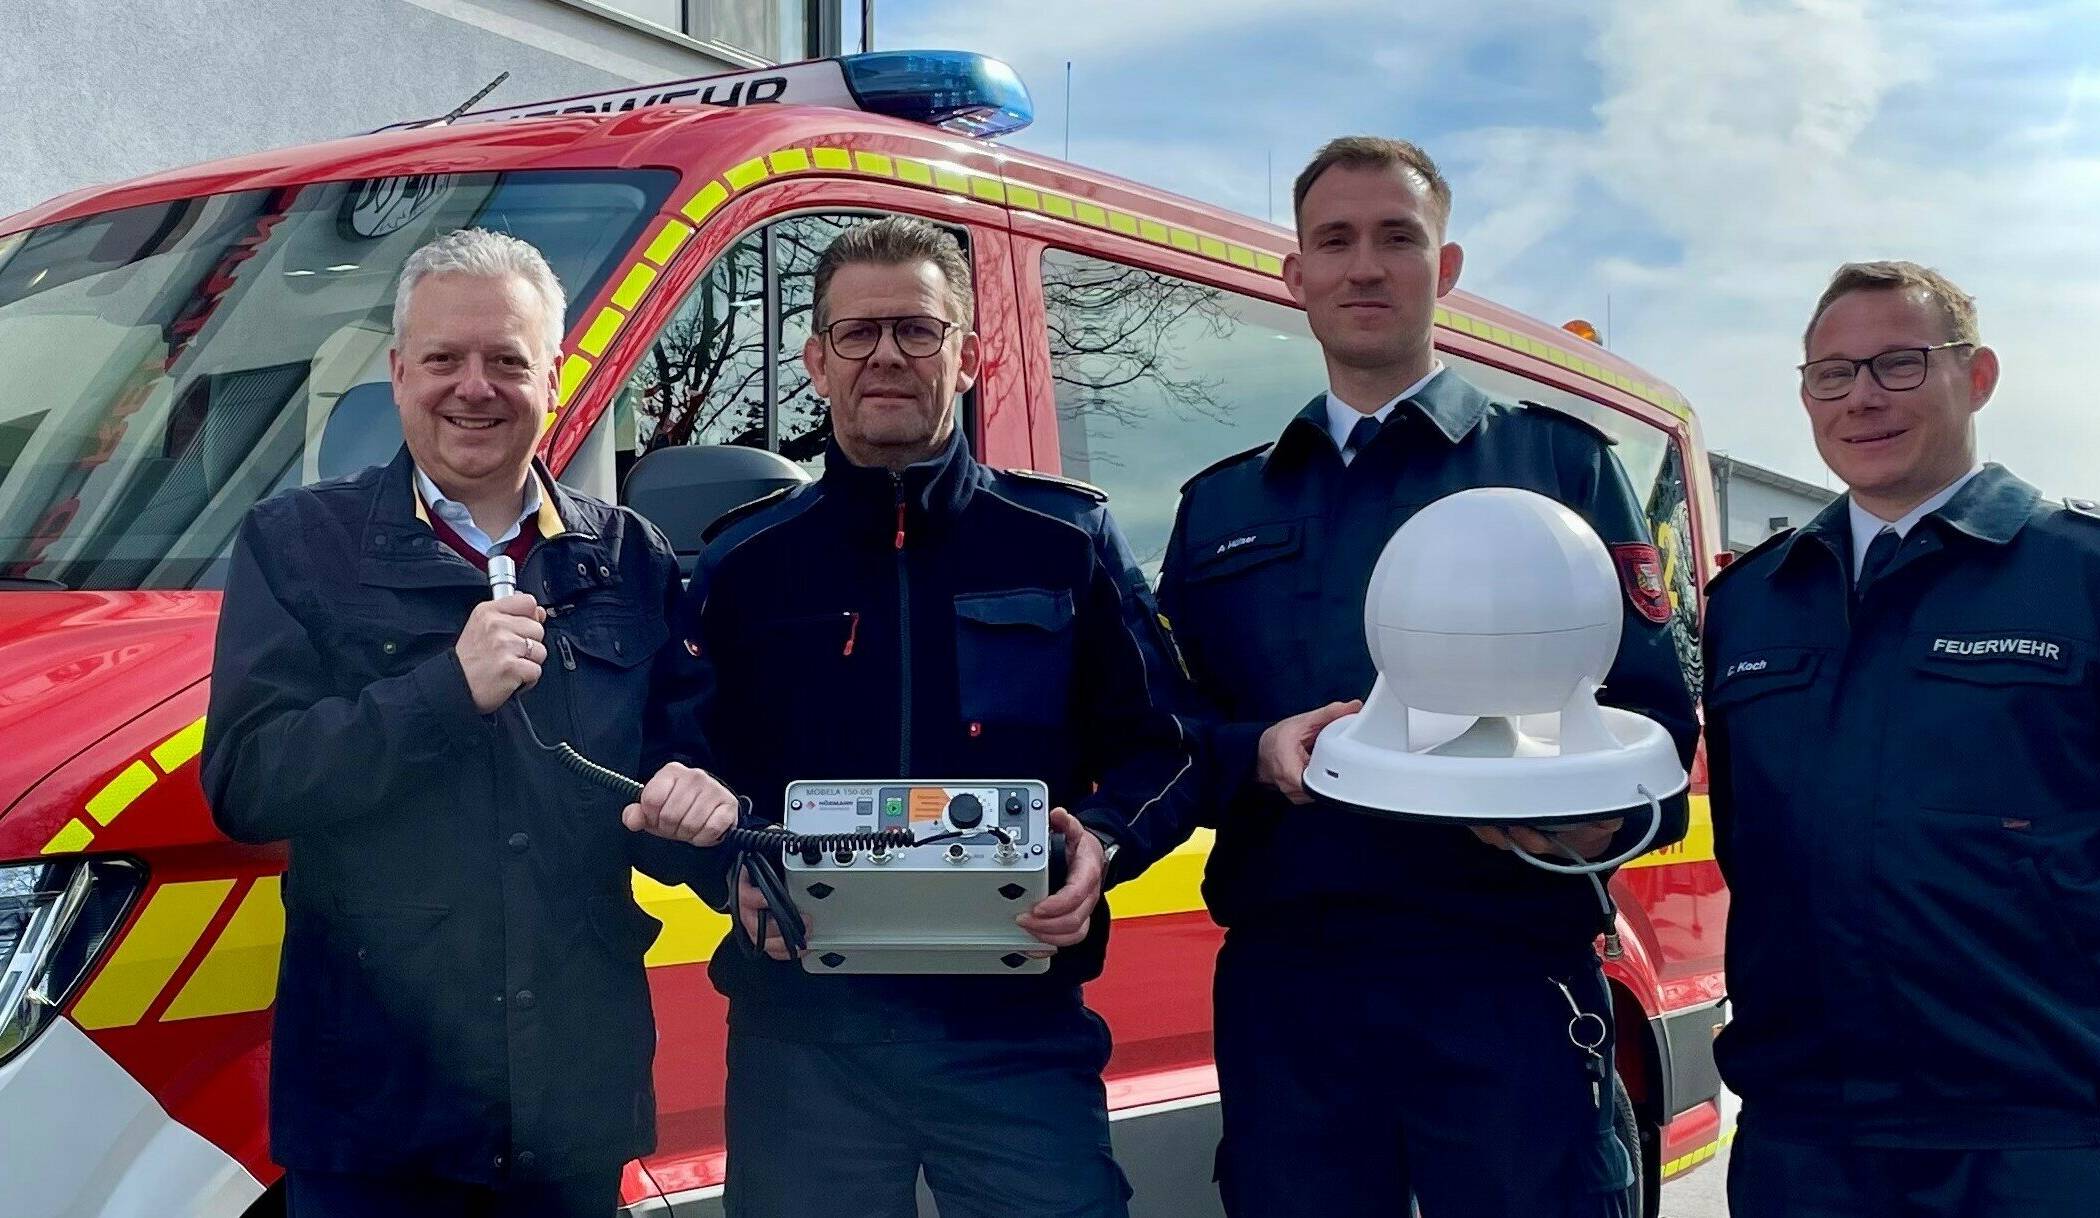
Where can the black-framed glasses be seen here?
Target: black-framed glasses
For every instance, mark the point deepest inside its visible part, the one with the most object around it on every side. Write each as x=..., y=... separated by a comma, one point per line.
x=1827, y=380
x=917, y=336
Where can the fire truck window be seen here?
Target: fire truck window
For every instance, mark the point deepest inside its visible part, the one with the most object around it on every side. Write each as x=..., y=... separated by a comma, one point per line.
x=727, y=368
x=1157, y=377
x=169, y=365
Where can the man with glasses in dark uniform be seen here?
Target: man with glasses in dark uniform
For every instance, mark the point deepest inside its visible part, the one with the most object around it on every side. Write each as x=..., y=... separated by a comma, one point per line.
x=1903, y=728
x=914, y=615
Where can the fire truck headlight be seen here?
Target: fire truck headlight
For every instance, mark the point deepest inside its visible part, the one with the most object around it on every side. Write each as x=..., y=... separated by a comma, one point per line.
x=56, y=917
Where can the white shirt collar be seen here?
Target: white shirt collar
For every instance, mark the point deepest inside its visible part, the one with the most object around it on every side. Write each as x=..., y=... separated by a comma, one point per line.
x=1866, y=525
x=1342, y=418
x=462, y=520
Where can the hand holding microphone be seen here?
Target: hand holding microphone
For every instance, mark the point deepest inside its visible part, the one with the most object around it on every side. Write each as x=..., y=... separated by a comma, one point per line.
x=504, y=644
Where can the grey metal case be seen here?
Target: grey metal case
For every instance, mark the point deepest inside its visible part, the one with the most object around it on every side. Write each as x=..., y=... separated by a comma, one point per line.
x=947, y=907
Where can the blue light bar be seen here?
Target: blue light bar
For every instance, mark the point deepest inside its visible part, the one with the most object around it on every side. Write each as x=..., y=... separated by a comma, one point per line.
x=957, y=91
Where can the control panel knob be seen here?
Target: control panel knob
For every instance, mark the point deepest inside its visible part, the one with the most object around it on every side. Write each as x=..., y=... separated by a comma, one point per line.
x=965, y=812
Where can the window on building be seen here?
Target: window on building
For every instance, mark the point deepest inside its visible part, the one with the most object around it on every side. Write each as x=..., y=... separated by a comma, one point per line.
x=727, y=368
x=778, y=30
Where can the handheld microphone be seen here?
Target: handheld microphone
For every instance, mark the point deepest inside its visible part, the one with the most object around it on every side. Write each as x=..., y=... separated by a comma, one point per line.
x=503, y=576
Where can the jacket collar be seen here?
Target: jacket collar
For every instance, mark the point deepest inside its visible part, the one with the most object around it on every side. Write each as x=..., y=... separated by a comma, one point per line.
x=399, y=550
x=933, y=492
x=1452, y=404
x=1991, y=508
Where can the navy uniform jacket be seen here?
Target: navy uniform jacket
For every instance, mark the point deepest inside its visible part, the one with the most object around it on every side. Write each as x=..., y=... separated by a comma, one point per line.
x=1264, y=586
x=462, y=991
x=1907, y=800
x=931, y=624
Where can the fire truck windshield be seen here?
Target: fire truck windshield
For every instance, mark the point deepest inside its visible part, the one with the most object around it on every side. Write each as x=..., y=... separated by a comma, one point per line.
x=164, y=367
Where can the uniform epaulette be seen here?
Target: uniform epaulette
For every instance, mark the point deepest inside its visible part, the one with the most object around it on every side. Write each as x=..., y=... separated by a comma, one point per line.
x=1222, y=462
x=2085, y=509
x=1744, y=561
x=1571, y=417
x=1058, y=480
x=742, y=510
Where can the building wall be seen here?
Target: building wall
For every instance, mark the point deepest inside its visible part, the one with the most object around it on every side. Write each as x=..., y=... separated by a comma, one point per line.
x=1750, y=505
x=101, y=91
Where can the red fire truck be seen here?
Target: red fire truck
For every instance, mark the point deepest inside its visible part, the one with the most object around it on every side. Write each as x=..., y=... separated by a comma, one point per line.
x=178, y=347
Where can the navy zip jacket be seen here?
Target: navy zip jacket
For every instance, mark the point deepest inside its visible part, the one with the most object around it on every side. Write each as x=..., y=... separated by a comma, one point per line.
x=947, y=622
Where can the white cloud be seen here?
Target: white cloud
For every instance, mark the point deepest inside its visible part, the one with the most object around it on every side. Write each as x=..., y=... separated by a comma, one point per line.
x=1766, y=161
x=1732, y=154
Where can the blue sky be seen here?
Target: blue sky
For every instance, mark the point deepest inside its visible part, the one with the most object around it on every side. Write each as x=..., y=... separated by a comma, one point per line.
x=1704, y=163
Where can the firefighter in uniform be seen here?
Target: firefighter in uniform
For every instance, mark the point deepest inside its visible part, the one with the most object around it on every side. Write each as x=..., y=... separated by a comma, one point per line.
x=913, y=614
x=1904, y=734
x=462, y=1020
x=1393, y=999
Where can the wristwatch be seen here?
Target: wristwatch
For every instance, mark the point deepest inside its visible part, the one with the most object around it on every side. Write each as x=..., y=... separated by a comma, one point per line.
x=1109, y=847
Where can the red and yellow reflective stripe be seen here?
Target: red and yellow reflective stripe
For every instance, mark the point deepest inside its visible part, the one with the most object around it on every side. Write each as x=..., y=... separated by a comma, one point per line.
x=146, y=958
x=1697, y=846
x=1684, y=1163
x=240, y=972
x=124, y=788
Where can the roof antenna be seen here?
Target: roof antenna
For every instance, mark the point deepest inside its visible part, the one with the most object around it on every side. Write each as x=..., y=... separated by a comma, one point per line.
x=468, y=104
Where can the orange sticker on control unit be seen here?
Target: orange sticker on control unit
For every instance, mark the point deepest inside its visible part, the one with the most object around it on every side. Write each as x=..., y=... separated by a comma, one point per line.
x=927, y=803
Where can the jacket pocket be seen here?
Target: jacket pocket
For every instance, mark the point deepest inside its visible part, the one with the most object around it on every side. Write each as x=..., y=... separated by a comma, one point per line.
x=366, y=649
x=400, y=1025
x=600, y=656
x=1993, y=999
x=1244, y=549
x=1762, y=698
x=1013, y=655
x=2020, y=697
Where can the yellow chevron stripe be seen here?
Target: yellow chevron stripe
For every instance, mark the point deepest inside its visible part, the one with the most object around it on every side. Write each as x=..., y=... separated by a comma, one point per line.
x=240, y=974
x=159, y=941
x=105, y=805
x=180, y=747
x=635, y=284
x=72, y=839
x=674, y=234
x=573, y=369
x=702, y=205
x=747, y=175
x=603, y=327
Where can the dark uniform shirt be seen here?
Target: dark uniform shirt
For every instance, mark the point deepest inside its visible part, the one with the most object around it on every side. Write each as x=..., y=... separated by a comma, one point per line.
x=1264, y=586
x=1906, y=792
x=948, y=622
x=462, y=992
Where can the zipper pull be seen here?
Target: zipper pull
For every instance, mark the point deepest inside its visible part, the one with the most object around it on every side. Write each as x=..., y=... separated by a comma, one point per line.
x=852, y=633
x=568, y=656
x=898, y=483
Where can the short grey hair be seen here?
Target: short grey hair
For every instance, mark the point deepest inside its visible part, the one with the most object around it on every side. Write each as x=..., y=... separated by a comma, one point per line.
x=491, y=255
x=897, y=241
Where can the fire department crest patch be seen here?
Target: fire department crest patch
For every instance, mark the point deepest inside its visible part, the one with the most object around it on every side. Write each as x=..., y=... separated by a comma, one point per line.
x=1641, y=570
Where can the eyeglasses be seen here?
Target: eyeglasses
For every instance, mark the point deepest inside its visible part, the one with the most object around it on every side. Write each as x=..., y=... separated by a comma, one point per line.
x=857, y=337
x=1827, y=380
